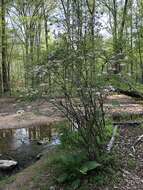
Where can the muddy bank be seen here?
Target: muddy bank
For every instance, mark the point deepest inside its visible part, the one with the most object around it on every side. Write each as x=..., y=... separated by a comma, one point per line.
x=15, y=114
x=22, y=125
x=25, y=120
x=22, y=145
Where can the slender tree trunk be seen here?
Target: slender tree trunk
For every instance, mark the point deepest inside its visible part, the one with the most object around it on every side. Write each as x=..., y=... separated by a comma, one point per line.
x=139, y=42
x=140, y=56
x=47, y=47
x=131, y=39
x=46, y=31
x=38, y=40
x=1, y=86
x=6, y=87
x=115, y=28
x=123, y=26
x=118, y=42
x=91, y=10
x=26, y=60
x=32, y=35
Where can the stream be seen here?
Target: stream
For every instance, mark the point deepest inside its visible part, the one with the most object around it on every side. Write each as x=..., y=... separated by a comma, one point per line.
x=22, y=145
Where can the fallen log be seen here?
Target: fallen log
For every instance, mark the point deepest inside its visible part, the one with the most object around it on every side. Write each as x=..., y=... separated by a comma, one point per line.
x=128, y=123
x=132, y=93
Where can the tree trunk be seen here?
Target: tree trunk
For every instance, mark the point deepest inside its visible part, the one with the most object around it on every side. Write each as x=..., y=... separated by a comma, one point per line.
x=6, y=85
x=118, y=41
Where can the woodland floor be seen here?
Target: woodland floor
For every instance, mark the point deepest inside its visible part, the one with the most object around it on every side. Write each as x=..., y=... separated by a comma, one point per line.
x=40, y=111
x=20, y=114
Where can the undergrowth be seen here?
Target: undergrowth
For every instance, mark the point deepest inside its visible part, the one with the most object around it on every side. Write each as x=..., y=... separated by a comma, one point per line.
x=73, y=169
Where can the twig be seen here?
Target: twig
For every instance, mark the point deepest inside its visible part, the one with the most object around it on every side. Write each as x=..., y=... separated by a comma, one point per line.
x=138, y=141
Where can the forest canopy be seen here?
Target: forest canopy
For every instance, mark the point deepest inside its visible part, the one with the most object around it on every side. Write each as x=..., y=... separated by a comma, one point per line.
x=45, y=40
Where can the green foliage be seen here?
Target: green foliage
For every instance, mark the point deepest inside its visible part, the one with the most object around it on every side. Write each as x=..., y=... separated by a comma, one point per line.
x=88, y=166
x=68, y=138
x=72, y=163
x=75, y=184
x=72, y=166
x=28, y=94
x=108, y=129
x=108, y=173
x=99, y=180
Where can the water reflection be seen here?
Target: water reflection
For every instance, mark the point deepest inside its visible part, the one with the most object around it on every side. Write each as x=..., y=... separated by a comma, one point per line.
x=12, y=139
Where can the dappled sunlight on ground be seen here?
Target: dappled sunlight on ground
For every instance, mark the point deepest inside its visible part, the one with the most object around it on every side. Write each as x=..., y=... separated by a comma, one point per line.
x=121, y=104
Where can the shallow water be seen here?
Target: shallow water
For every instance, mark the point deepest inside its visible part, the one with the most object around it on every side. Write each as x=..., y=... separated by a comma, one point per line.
x=21, y=144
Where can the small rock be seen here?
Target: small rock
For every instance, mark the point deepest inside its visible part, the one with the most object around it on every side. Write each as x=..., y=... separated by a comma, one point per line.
x=52, y=188
x=7, y=164
x=39, y=156
x=29, y=107
x=42, y=142
x=20, y=112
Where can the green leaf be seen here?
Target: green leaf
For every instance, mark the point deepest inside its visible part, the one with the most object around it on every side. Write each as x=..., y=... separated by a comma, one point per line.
x=75, y=184
x=62, y=178
x=88, y=166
